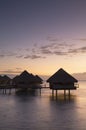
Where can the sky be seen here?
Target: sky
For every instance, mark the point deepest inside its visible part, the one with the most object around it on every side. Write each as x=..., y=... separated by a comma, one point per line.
x=41, y=36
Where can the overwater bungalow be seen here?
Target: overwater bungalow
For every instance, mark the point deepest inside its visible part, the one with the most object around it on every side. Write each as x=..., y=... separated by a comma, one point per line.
x=61, y=80
x=37, y=82
x=0, y=79
x=15, y=81
x=27, y=81
x=38, y=79
x=5, y=80
x=5, y=83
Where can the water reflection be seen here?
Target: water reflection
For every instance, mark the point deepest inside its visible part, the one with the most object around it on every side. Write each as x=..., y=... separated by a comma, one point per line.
x=62, y=98
x=43, y=112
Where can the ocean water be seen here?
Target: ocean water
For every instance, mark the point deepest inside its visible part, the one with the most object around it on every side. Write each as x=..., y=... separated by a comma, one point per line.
x=43, y=112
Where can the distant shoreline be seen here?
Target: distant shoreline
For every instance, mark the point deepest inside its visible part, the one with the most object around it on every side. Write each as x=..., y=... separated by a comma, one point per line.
x=82, y=80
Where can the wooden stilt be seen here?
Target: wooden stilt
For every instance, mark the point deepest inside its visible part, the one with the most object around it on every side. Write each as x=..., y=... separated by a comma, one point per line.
x=52, y=92
x=69, y=93
x=56, y=94
x=64, y=94
x=40, y=91
x=5, y=90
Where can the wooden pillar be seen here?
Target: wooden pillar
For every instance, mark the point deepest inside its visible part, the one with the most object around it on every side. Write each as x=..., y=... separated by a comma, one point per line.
x=52, y=92
x=5, y=90
x=64, y=94
x=56, y=94
x=69, y=93
x=40, y=91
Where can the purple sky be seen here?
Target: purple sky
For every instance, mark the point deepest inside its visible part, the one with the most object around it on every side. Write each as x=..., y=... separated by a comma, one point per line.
x=34, y=20
x=39, y=29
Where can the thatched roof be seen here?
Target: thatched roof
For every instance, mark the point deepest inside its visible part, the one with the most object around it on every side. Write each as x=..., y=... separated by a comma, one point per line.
x=26, y=77
x=61, y=76
x=15, y=79
x=5, y=79
x=38, y=79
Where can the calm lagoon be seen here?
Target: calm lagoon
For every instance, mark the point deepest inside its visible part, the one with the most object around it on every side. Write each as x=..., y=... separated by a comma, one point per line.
x=35, y=112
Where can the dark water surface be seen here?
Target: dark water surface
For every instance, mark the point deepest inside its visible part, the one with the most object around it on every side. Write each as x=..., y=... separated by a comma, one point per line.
x=35, y=112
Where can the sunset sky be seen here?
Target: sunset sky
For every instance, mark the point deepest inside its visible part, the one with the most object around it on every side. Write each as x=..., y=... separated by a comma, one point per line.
x=41, y=36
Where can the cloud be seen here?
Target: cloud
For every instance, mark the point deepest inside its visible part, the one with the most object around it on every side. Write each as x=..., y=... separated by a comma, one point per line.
x=32, y=54
x=34, y=50
x=48, y=46
x=18, y=68
x=46, y=51
x=77, y=50
x=72, y=51
x=83, y=49
x=55, y=49
x=10, y=71
x=2, y=56
x=27, y=49
x=52, y=39
x=60, y=53
x=81, y=39
x=7, y=54
x=33, y=57
x=80, y=76
x=19, y=56
x=61, y=48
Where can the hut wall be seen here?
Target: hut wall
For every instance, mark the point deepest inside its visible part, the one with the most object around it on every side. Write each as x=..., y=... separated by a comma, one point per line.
x=62, y=86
